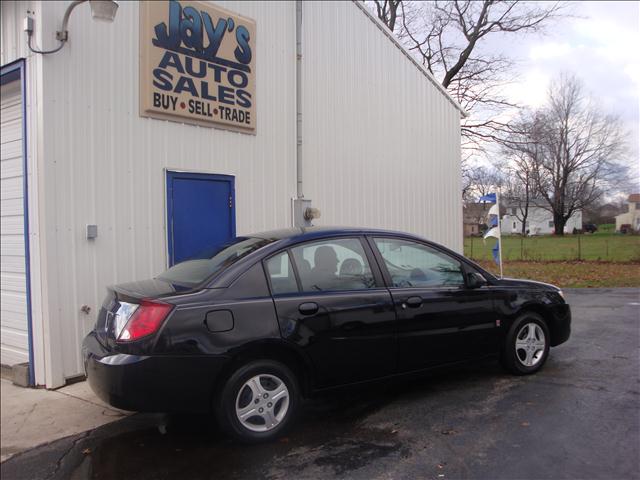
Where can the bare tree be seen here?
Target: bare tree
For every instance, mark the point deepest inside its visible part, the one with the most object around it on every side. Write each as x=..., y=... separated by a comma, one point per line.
x=520, y=154
x=576, y=151
x=447, y=37
x=482, y=181
x=519, y=190
x=387, y=12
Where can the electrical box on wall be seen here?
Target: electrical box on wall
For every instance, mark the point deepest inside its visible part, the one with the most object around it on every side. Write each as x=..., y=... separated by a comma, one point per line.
x=304, y=213
x=299, y=206
x=92, y=232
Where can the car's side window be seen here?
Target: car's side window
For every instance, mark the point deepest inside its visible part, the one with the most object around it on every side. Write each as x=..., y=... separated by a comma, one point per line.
x=281, y=274
x=333, y=264
x=413, y=264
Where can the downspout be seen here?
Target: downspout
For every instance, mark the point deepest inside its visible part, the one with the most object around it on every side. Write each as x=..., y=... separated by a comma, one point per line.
x=299, y=190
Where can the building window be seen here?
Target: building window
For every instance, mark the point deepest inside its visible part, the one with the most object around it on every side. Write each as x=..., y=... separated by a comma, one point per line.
x=514, y=225
x=513, y=211
x=526, y=224
x=550, y=223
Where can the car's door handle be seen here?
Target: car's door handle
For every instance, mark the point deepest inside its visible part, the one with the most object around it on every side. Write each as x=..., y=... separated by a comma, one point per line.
x=413, y=302
x=308, y=308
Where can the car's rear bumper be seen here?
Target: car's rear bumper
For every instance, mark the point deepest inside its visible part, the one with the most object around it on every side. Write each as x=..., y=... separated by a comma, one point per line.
x=155, y=383
x=561, y=325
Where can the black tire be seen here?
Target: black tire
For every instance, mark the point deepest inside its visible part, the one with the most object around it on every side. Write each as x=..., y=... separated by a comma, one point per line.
x=514, y=360
x=225, y=408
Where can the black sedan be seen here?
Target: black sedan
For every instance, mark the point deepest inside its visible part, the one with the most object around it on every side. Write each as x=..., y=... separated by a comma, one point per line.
x=268, y=319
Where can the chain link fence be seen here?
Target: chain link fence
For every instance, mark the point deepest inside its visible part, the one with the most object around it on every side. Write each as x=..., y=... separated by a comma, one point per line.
x=585, y=247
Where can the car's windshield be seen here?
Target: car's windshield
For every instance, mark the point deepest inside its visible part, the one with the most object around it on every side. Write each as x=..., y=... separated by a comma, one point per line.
x=193, y=272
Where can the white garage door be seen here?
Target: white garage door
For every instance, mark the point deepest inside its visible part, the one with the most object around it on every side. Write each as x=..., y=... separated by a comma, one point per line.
x=14, y=345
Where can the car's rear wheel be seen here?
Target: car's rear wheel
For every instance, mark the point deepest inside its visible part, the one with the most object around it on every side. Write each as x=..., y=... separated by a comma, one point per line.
x=526, y=345
x=259, y=401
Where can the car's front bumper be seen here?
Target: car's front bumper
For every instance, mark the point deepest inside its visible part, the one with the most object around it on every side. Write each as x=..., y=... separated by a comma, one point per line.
x=156, y=383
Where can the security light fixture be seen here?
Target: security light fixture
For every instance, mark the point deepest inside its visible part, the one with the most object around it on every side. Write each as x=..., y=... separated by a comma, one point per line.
x=311, y=213
x=101, y=10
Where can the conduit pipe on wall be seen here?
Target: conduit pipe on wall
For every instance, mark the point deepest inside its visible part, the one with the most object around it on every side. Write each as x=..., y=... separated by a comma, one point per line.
x=299, y=189
x=303, y=213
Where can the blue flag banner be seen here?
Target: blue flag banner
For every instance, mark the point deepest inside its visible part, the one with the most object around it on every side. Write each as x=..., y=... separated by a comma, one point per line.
x=496, y=253
x=492, y=232
x=493, y=221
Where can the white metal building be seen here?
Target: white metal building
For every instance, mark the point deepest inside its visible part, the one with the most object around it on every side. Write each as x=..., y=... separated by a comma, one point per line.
x=91, y=174
x=631, y=218
x=539, y=221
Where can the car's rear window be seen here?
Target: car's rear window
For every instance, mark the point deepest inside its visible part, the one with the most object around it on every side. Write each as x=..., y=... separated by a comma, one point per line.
x=194, y=272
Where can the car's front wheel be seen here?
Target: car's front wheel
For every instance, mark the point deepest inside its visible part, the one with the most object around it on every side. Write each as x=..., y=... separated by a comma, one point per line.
x=526, y=345
x=259, y=401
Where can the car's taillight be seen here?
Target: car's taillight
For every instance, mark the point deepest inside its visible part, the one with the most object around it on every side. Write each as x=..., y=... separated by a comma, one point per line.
x=145, y=320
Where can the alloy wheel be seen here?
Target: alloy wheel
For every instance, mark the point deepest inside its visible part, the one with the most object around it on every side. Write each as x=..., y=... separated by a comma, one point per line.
x=262, y=403
x=530, y=344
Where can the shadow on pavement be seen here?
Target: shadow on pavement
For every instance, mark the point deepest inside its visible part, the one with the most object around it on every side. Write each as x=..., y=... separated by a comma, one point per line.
x=331, y=434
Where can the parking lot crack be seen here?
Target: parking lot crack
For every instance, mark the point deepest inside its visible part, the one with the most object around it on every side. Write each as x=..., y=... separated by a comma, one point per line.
x=26, y=417
x=66, y=452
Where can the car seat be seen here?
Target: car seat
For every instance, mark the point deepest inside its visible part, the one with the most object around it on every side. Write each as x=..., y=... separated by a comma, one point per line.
x=351, y=267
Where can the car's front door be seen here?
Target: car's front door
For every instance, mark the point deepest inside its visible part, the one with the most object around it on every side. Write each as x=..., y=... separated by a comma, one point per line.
x=333, y=304
x=440, y=320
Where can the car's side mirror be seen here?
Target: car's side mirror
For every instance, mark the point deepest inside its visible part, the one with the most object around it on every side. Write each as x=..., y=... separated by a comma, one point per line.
x=475, y=280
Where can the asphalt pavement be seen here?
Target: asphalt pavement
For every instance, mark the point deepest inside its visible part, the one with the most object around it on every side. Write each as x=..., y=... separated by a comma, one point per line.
x=578, y=418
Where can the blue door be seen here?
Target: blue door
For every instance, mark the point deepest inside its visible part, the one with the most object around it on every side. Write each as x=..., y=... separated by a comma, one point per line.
x=200, y=214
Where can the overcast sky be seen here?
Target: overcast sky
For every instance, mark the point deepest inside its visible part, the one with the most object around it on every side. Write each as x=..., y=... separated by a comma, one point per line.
x=601, y=46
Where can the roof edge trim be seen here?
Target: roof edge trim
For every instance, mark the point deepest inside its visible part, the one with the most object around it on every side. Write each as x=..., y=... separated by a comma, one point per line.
x=424, y=71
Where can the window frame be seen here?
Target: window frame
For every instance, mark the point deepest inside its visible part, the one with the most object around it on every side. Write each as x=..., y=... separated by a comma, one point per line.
x=376, y=272
x=465, y=267
x=293, y=268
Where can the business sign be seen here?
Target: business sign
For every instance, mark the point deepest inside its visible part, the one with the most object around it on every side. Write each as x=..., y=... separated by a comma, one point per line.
x=197, y=64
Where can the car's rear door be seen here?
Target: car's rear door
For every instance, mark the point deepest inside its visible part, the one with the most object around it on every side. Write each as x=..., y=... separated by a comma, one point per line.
x=440, y=320
x=331, y=301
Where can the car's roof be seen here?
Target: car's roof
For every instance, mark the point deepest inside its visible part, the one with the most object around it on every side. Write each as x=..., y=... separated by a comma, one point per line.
x=321, y=231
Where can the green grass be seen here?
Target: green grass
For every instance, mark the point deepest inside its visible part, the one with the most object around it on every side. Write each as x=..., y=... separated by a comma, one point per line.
x=599, y=247
x=606, y=228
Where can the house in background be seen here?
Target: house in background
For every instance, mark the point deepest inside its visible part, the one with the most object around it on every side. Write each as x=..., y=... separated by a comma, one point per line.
x=630, y=219
x=539, y=221
x=474, y=218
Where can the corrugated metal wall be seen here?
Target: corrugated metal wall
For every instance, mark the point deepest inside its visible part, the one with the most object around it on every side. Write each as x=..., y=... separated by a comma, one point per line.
x=105, y=165
x=381, y=143
x=13, y=44
x=381, y=149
